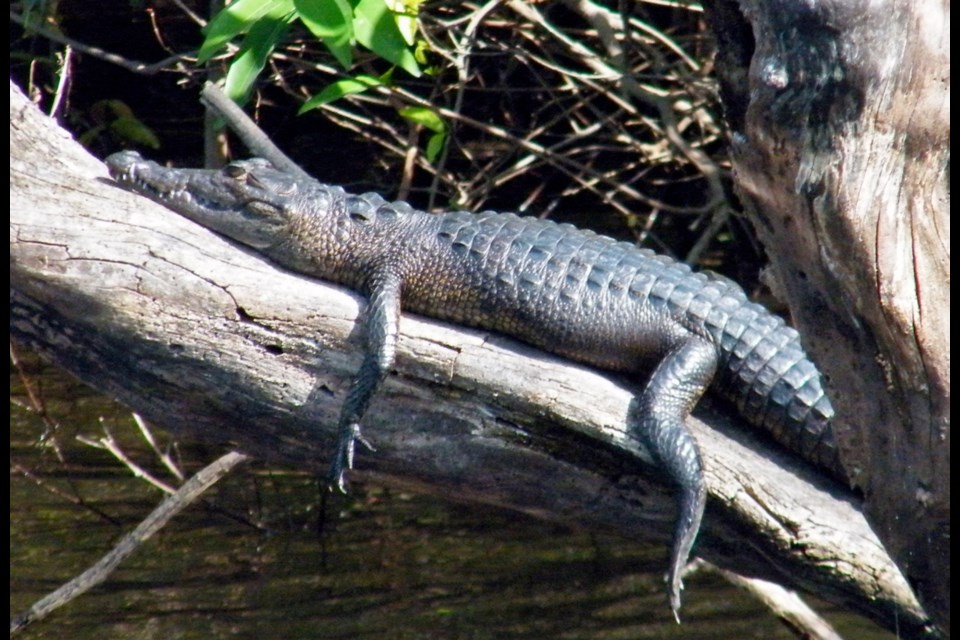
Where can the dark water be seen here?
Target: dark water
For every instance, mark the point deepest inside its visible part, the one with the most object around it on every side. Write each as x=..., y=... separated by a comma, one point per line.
x=263, y=557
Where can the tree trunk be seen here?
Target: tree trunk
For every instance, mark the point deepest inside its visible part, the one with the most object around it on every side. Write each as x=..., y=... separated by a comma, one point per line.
x=839, y=113
x=211, y=341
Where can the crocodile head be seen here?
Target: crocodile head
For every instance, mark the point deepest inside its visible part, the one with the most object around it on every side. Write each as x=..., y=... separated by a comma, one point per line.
x=249, y=201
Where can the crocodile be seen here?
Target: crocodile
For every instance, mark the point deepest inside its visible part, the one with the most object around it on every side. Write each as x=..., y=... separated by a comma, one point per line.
x=568, y=291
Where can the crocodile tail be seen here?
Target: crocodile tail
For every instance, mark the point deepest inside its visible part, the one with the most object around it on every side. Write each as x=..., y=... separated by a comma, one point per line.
x=765, y=371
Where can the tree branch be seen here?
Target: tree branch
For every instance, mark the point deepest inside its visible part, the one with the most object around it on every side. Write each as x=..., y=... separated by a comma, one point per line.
x=841, y=147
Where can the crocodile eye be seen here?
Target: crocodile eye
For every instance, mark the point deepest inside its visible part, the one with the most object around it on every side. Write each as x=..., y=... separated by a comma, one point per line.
x=234, y=171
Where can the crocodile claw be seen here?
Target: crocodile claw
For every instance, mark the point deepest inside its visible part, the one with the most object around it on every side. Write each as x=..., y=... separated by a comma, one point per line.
x=343, y=459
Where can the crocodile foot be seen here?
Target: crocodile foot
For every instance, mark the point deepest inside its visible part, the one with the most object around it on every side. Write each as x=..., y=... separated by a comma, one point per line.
x=343, y=458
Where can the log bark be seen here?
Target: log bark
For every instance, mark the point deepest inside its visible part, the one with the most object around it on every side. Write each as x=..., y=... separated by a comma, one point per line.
x=839, y=113
x=211, y=341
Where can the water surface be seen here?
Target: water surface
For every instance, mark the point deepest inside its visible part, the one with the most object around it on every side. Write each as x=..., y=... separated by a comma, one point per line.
x=269, y=554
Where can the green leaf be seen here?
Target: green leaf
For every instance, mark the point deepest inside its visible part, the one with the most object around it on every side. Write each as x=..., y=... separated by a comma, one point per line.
x=375, y=27
x=87, y=137
x=424, y=116
x=420, y=51
x=237, y=19
x=132, y=130
x=405, y=13
x=256, y=48
x=332, y=22
x=429, y=119
x=435, y=145
x=117, y=117
x=339, y=89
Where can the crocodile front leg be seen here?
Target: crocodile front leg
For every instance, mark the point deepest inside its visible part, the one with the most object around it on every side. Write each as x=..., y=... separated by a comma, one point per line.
x=674, y=388
x=382, y=321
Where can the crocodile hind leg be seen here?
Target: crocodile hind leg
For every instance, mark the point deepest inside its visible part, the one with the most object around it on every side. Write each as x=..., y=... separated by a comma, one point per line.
x=674, y=388
x=382, y=320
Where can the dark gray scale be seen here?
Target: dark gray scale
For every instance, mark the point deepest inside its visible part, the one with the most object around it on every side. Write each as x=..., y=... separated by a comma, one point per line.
x=751, y=373
x=776, y=379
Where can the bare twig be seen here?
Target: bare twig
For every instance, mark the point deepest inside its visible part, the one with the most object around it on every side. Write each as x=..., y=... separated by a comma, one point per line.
x=97, y=573
x=73, y=498
x=460, y=60
x=110, y=444
x=36, y=403
x=785, y=604
x=97, y=52
x=255, y=139
x=164, y=457
x=63, y=80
